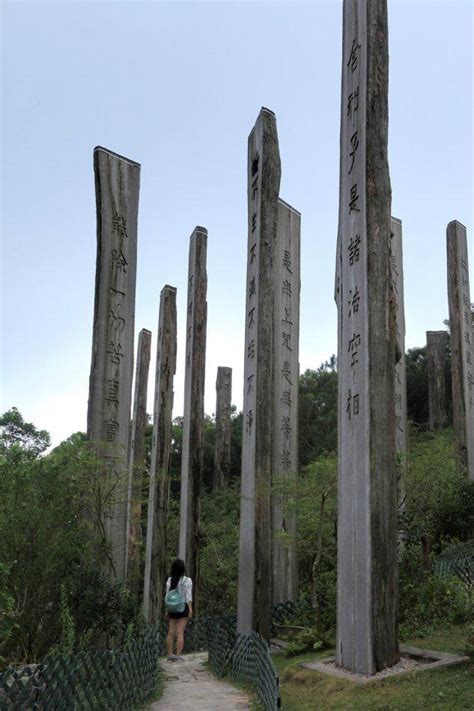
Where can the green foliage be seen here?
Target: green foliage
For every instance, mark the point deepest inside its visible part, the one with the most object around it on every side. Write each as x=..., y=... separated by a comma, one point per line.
x=469, y=648
x=219, y=552
x=305, y=641
x=438, y=500
x=317, y=412
x=48, y=539
x=20, y=439
x=67, y=639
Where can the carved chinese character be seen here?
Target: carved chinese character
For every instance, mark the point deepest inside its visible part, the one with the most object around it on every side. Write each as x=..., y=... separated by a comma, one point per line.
x=252, y=287
x=354, y=249
x=112, y=389
x=251, y=349
x=253, y=254
x=190, y=329
x=398, y=420
x=285, y=459
x=354, y=146
x=119, y=224
x=286, y=338
x=250, y=387
x=119, y=260
x=354, y=343
x=467, y=337
x=255, y=164
x=188, y=360
x=286, y=372
x=398, y=401
x=110, y=430
x=254, y=222
x=352, y=408
x=287, y=261
x=116, y=324
x=255, y=189
x=249, y=422
x=354, y=298
x=287, y=318
x=468, y=357
x=353, y=201
x=191, y=278
x=286, y=397
x=353, y=103
x=190, y=308
x=353, y=60
x=285, y=426
x=251, y=317
x=115, y=352
x=286, y=287
x=467, y=318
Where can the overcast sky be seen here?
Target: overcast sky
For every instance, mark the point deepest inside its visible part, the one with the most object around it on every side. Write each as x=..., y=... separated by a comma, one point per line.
x=177, y=87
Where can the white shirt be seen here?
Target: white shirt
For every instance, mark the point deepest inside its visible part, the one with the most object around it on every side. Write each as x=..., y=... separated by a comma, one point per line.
x=185, y=587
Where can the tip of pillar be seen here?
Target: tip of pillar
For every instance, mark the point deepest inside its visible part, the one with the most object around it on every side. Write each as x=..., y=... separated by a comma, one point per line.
x=167, y=287
x=145, y=330
x=396, y=219
x=290, y=207
x=107, y=151
x=200, y=229
x=267, y=111
x=456, y=223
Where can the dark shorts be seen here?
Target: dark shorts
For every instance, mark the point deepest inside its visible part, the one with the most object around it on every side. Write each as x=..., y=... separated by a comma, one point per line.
x=179, y=615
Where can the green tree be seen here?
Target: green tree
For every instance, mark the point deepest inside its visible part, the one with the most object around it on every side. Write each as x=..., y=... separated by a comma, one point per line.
x=317, y=412
x=19, y=438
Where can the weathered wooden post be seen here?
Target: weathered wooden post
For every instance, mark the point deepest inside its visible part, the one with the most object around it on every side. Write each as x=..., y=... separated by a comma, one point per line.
x=286, y=268
x=158, y=496
x=117, y=183
x=367, y=586
x=137, y=461
x=193, y=418
x=255, y=555
x=223, y=427
x=461, y=344
x=436, y=344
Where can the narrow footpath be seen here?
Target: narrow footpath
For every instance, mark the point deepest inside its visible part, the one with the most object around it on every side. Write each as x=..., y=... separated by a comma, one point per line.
x=189, y=685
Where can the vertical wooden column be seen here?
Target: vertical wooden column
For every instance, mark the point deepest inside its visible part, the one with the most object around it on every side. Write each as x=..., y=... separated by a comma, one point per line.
x=193, y=420
x=461, y=345
x=137, y=461
x=255, y=555
x=286, y=266
x=367, y=584
x=223, y=427
x=158, y=496
x=117, y=184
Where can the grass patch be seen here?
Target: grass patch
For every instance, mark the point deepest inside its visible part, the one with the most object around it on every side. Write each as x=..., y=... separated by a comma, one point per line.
x=449, y=689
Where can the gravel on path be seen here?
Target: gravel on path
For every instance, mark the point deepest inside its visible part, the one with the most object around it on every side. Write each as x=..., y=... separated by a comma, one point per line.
x=189, y=685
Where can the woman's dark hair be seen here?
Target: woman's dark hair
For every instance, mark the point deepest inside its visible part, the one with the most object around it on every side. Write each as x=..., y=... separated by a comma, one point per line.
x=177, y=571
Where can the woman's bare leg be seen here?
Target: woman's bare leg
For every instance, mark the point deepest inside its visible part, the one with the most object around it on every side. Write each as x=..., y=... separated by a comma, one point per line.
x=180, y=627
x=171, y=635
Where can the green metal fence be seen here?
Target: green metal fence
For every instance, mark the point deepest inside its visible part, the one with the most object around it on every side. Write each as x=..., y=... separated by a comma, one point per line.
x=457, y=560
x=98, y=680
x=245, y=658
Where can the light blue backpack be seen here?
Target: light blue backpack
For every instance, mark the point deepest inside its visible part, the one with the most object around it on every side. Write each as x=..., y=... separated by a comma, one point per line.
x=174, y=601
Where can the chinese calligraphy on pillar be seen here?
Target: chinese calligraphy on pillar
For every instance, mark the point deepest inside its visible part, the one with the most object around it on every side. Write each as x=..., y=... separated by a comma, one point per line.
x=255, y=556
x=286, y=375
x=108, y=421
x=367, y=488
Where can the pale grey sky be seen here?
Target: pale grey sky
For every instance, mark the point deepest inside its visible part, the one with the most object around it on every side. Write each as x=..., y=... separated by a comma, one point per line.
x=177, y=87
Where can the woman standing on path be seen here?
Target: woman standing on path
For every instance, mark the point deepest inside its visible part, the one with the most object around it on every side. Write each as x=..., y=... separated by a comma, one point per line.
x=178, y=620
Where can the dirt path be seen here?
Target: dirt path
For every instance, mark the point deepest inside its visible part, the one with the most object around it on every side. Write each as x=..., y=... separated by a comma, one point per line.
x=189, y=685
